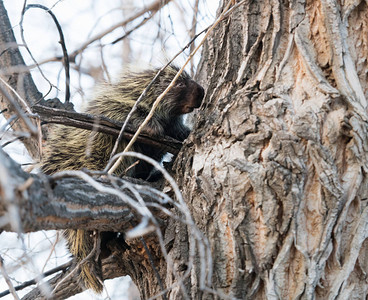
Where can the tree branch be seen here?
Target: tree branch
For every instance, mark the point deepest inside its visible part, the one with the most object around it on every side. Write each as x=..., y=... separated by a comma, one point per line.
x=68, y=287
x=20, y=82
x=152, y=8
x=44, y=203
x=104, y=125
x=25, y=284
x=71, y=285
x=63, y=46
x=57, y=202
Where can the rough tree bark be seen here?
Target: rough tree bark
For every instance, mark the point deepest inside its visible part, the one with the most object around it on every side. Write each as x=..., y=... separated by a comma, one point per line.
x=275, y=172
x=20, y=80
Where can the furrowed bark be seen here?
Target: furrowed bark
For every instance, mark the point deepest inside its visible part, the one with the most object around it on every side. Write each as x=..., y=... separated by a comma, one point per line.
x=278, y=161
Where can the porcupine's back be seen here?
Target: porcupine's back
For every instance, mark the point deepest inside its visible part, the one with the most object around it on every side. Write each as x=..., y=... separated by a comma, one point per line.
x=67, y=146
x=70, y=148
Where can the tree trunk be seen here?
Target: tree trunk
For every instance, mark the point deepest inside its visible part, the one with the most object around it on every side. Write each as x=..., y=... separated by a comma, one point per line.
x=275, y=174
x=19, y=79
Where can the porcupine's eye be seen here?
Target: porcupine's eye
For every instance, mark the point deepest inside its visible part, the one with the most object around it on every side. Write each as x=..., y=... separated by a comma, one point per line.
x=181, y=84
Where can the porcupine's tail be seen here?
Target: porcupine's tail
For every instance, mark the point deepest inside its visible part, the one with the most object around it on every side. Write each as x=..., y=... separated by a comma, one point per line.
x=81, y=245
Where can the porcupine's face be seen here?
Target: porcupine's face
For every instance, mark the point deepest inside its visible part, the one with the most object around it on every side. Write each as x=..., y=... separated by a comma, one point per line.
x=190, y=95
x=184, y=97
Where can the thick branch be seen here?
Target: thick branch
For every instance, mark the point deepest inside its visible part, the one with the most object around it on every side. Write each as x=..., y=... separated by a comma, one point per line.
x=44, y=203
x=104, y=125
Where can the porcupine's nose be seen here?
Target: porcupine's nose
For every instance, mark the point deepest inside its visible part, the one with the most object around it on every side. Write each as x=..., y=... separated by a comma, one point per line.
x=199, y=95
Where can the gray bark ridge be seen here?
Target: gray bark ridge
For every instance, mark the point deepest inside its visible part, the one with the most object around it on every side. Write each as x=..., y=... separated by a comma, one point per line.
x=44, y=203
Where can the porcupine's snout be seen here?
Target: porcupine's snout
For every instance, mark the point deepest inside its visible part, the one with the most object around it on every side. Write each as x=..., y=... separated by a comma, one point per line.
x=194, y=98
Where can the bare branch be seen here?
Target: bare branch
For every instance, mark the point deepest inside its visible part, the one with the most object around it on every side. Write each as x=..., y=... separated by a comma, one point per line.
x=62, y=43
x=7, y=279
x=144, y=21
x=111, y=268
x=68, y=288
x=105, y=125
x=155, y=6
x=25, y=284
x=192, y=33
x=28, y=50
x=45, y=203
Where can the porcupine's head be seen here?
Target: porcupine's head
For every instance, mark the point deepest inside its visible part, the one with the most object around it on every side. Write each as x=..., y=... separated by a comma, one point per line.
x=184, y=96
x=115, y=100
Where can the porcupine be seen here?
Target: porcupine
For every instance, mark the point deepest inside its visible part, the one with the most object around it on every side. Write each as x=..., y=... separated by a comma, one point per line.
x=66, y=148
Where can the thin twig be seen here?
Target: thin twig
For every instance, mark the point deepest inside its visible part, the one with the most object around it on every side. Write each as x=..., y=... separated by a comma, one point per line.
x=22, y=101
x=34, y=281
x=157, y=275
x=151, y=8
x=7, y=279
x=15, y=139
x=57, y=239
x=62, y=43
x=144, y=21
x=134, y=108
x=27, y=48
x=192, y=33
x=195, y=237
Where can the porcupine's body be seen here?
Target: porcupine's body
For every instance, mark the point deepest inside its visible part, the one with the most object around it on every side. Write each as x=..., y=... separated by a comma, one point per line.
x=66, y=148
